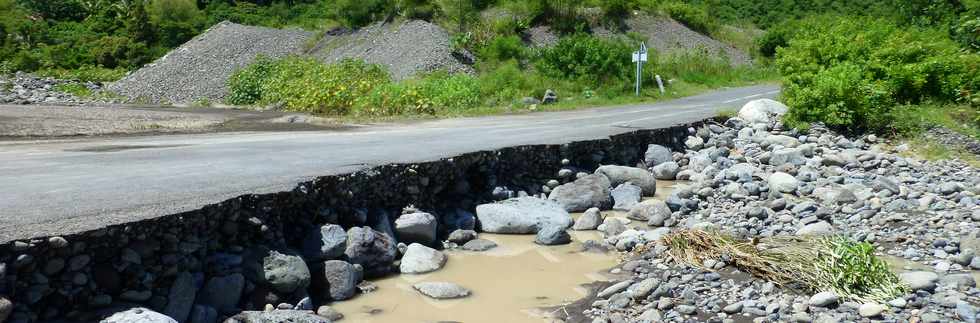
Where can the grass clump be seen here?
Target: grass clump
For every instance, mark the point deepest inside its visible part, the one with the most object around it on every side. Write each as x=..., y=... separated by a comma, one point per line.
x=812, y=263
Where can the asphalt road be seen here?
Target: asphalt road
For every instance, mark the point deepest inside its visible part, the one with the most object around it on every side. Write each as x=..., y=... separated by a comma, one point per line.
x=57, y=187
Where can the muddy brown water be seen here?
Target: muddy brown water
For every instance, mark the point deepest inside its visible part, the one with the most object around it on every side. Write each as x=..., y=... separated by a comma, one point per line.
x=518, y=281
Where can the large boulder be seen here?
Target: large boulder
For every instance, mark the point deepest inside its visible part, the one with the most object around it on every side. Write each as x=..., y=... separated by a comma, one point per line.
x=648, y=210
x=419, y=259
x=222, y=292
x=521, y=215
x=625, y=196
x=416, y=227
x=762, y=111
x=656, y=155
x=138, y=315
x=371, y=249
x=590, y=220
x=283, y=273
x=783, y=182
x=325, y=242
x=816, y=228
x=277, y=316
x=637, y=176
x=666, y=171
x=339, y=281
x=584, y=193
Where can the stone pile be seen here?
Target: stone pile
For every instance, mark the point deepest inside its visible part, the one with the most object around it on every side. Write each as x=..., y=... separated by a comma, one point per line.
x=24, y=88
x=755, y=179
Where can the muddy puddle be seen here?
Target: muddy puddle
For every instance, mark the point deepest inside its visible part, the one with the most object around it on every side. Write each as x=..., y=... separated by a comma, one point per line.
x=518, y=281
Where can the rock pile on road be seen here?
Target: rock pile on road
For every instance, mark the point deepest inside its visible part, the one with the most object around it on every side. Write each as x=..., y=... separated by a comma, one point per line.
x=199, y=69
x=404, y=48
x=755, y=180
x=24, y=88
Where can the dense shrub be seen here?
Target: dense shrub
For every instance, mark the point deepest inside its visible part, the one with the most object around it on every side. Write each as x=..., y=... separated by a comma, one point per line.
x=615, y=8
x=431, y=94
x=503, y=48
x=851, y=73
x=587, y=57
x=304, y=84
x=356, y=13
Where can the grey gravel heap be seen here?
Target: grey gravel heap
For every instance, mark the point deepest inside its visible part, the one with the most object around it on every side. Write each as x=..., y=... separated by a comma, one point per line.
x=405, y=48
x=199, y=69
x=24, y=88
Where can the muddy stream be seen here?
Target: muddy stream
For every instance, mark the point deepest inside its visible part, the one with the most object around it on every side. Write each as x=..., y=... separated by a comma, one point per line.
x=518, y=281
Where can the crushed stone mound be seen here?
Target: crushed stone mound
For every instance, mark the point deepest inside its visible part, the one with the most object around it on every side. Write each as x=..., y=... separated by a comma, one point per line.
x=200, y=68
x=667, y=35
x=404, y=48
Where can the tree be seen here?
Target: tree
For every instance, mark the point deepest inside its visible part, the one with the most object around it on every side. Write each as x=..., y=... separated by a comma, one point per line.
x=460, y=12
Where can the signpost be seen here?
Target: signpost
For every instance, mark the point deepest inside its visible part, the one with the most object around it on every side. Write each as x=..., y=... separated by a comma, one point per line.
x=640, y=57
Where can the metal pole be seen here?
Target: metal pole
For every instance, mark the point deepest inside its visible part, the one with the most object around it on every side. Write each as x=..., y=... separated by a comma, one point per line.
x=638, y=62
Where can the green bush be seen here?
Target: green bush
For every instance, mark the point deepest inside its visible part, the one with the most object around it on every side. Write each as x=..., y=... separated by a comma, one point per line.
x=436, y=93
x=851, y=73
x=356, y=13
x=615, y=8
x=694, y=17
x=86, y=73
x=587, y=57
x=305, y=84
x=503, y=48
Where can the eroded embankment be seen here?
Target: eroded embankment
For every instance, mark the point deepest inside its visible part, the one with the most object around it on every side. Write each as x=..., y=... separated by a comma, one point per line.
x=203, y=265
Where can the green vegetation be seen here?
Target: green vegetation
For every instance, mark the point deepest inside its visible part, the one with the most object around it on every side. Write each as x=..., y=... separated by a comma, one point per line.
x=816, y=263
x=583, y=69
x=854, y=74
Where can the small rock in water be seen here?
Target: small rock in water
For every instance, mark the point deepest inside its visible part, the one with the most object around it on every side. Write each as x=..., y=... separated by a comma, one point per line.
x=329, y=313
x=552, y=235
x=920, y=280
x=479, y=245
x=462, y=236
x=441, y=290
x=419, y=259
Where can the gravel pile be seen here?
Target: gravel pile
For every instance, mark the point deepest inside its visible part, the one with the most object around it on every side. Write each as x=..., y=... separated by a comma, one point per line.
x=198, y=69
x=24, y=88
x=951, y=138
x=754, y=180
x=405, y=48
x=667, y=35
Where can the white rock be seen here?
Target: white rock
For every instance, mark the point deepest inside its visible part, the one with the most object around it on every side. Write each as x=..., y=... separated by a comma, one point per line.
x=420, y=259
x=759, y=111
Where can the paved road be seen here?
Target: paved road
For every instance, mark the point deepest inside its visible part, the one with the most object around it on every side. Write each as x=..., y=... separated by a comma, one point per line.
x=66, y=186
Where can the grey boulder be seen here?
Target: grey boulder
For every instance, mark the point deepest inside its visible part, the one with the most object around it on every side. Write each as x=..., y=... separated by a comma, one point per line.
x=552, y=235
x=284, y=273
x=325, y=242
x=763, y=111
x=138, y=315
x=416, y=227
x=648, y=210
x=419, y=259
x=585, y=192
x=637, y=176
x=590, y=220
x=666, y=171
x=462, y=236
x=369, y=248
x=656, y=155
x=625, y=196
x=521, y=215
x=340, y=278
x=180, y=299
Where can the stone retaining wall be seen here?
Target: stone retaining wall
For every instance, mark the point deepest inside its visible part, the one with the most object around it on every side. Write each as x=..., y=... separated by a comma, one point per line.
x=163, y=263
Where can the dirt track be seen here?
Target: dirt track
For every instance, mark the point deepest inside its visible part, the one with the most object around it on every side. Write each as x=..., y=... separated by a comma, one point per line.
x=34, y=121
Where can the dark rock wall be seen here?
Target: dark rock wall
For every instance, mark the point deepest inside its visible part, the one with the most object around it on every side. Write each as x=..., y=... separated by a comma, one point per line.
x=48, y=279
